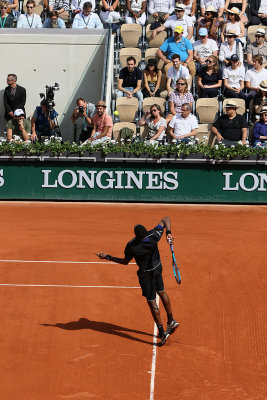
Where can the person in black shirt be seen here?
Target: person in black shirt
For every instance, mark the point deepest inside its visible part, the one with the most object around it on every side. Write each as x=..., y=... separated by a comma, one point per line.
x=144, y=249
x=209, y=78
x=230, y=127
x=130, y=80
x=14, y=97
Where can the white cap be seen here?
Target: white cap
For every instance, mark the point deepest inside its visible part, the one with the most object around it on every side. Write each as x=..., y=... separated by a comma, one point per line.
x=18, y=112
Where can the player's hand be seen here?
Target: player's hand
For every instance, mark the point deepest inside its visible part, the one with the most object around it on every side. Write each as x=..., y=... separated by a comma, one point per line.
x=169, y=238
x=102, y=256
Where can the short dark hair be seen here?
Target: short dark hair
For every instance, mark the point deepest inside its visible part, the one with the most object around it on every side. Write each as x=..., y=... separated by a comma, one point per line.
x=174, y=56
x=13, y=76
x=80, y=99
x=87, y=5
x=53, y=13
x=140, y=232
x=258, y=58
x=30, y=2
x=131, y=58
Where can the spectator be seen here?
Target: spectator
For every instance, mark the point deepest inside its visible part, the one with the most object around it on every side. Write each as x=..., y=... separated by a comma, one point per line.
x=54, y=21
x=86, y=111
x=233, y=79
x=14, y=97
x=77, y=6
x=258, y=10
x=110, y=11
x=183, y=125
x=44, y=121
x=29, y=20
x=102, y=123
x=260, y=129
x=160, y=10
x=12, y=8
x=241, y=5
x=254, y=76
x=136, y=12
x=152, y=79
x=18, y=126
x=190, y=8
x=231, y=127
x=209, y=78
x=173, y=74
x=233, y=23
x=210, y=22
x=260, y=100
x=179, y=97
x=6, y=20
x=178, y=44
x=155, y=122
x=61, y=6
x=258, y=47
x=229, y=47
x=179, y=19
x=87, y=19
x=204, y=47
x=130, y=80
x=217, y=4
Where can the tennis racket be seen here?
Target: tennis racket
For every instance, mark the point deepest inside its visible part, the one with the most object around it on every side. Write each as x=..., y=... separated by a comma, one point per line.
x=176, y=271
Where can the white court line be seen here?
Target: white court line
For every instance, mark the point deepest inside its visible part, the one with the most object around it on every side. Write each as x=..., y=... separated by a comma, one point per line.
x=70, y=286
x=59, y=262
x=154, y=355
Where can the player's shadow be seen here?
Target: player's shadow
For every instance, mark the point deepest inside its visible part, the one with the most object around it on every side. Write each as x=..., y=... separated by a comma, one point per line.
x=100, y=326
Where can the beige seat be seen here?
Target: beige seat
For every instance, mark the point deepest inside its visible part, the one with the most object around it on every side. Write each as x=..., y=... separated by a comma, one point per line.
x=204, y=134
x=119, y=125
x=251, y=32
x=241, y=105
x=207, y=110
x=131, y=34
x=39, y=6
x=127, y=108
x=128, y=52
x=149, y=101
x=159, y=39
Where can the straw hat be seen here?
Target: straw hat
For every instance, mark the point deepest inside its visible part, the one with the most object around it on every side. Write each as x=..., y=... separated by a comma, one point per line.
x=231, y=32
x=101, y=103
x=234, y=10
x=263, y=85
x=211, y=9
x=231, y=103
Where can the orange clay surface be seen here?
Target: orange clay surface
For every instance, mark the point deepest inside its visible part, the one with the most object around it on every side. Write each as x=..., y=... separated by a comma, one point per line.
x=78, y=343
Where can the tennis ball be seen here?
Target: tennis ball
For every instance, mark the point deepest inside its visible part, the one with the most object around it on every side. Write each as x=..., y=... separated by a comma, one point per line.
x=116, y=112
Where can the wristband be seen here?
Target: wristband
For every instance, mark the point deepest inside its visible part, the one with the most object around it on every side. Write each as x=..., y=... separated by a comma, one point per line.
x=108, y=257
x=168, y=232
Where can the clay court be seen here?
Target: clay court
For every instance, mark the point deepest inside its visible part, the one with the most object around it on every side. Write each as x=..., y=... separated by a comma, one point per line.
x=75, y=327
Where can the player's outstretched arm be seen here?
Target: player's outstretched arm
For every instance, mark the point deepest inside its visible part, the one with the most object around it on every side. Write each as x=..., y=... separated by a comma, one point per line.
x=166, y=222
x=104, y=256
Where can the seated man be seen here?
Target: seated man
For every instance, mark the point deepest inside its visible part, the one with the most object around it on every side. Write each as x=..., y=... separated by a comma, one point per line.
x=130, y=80
x=6, y=19
x=178, y=44
x=258, y=10
x=173, y=74
x=77, y=6
x=54, y=21
x=183, y=125
x=61, y=6
x=44, y=121
x=29, y=20
x=18, y=126
x=160, y=10
x=231, y=127
x=87, y=19
x=103, y=125
x=204, y=47
x=86, y=111
x=254, y=77
x=258, y=48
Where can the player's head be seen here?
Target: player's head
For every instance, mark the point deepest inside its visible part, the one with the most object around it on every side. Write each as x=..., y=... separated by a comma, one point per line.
x=140, y=232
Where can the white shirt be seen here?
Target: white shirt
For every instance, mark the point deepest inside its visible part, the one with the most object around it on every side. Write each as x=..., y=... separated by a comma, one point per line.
x=234, y=76
x=214, y=3
x=183, y=126
x=175, y=75
x=78, y=4
x=263, y=7
x=136, y=5
x=165, y=6
x=204, y=50
x=255, y=77
x=172, y=22
x=225, y=51
x=29, y=21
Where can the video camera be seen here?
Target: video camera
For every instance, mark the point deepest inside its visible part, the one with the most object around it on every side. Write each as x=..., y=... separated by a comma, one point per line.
x=49, y=95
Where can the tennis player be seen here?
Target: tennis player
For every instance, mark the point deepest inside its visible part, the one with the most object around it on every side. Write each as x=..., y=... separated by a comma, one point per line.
x=144, y=249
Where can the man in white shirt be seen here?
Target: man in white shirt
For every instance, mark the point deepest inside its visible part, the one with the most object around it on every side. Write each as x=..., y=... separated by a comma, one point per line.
x=29, y=20
x=87, y=19
x=183, y=125
x=160, y=10
x=178, y=19
x=204, y=47
x=174, y=73
x=229, y=47
x=254, y=76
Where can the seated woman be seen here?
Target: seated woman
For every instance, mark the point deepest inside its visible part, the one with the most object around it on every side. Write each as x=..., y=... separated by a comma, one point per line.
x=136, y=12
x=155, y=122
x=190, y=8
x=241, y=5
x=110, y=11
x=233, y=23
x=233, y=79
x=152, y=79
x=43, y=121
x=210, y=22
x=6, y=20
x=178, y=97
x=209, y=78
x=260, y=129
x=54, y=21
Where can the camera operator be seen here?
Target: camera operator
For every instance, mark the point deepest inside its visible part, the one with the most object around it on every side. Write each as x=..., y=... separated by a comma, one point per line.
x=86, y=111
x=44, y=120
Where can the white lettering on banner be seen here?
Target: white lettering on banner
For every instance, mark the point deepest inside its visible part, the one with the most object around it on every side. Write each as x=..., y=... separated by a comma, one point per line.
x=111, y=179
x=257, y=182
x=2, y=181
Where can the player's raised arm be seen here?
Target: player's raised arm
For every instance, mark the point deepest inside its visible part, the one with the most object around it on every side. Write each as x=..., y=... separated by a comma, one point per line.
x=166, y=223
x=104, y=256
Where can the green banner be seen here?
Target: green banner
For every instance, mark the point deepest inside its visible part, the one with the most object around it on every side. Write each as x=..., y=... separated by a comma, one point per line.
x=133, y=182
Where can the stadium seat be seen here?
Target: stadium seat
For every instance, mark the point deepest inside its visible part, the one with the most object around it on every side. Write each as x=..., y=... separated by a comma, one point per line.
x=203, y=132
x=127, y=108
x=250, y=133
x=127, y=52
x=131, y=33
x=159, y=39
x=207, y=109
x=251, y=32
x=149, y=101
x=119, y=125
x=151, y=53
x=241, y=105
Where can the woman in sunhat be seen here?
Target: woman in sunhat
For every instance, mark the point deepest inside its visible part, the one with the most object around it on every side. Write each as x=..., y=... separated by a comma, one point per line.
x=260, y=129
x=233, y=23
x=229, y=47
x=210, y=22
x=241, y=5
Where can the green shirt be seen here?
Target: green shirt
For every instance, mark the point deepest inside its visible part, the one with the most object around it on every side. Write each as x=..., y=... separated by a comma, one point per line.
x=13, y=124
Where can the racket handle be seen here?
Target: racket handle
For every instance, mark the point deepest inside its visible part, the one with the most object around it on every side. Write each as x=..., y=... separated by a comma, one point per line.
x=171, y=246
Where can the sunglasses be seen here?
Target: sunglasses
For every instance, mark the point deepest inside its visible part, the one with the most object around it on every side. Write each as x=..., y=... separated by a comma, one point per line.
x=264, y=114
x=180, y=84
x=230, y=36
x=154, y=110
x=258, y=36
x=207, y=13
x=29, y=7
x=209, y=61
